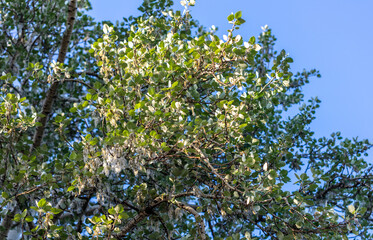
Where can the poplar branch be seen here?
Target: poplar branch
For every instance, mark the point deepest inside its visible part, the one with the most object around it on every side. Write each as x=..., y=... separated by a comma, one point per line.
x=51, y=94
x=199, y=221
x=142, y=214
x=205, y=159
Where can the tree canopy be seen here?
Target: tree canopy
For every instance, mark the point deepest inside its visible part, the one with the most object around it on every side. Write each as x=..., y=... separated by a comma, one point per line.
x=156, y=128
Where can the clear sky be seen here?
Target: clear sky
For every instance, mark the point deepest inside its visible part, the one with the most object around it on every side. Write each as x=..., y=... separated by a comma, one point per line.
x=333, y=36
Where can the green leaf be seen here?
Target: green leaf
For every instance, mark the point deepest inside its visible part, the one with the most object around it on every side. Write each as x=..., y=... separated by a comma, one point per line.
x=174, y=84
x=88, y=96
x=240, y=21
x=238, y=15
x=132, y=112
x=73, y=155
x=85, y=104
x=56, y=210
x=252, y=40
x=243, y=125
x=5, y=195
x=24, y=213
x=93, y=142
x=34, y=208
x=363, y=210
x=42, y=202
x=151, y=91
x=73, y=109
x=153, y=133
x=299, y=224
x=124, y=215
x=230, y=17
x=17, y=217
x=312, y=187
x=58, y=119
x=112, y=211
x=40, y=74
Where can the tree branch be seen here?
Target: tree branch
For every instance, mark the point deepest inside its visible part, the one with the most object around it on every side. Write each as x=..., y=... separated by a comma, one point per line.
x=163, y=225
x=31, y=190
x=51, y=95
x=132, y=224
x=147, y=211
x=198, y=218
x=81, y=82
x=207, y=162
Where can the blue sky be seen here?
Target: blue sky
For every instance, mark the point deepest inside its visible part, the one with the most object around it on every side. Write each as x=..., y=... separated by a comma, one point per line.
x=333, y=36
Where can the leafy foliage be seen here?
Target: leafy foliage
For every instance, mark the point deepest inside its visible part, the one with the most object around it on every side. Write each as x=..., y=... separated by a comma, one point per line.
x=159, y=129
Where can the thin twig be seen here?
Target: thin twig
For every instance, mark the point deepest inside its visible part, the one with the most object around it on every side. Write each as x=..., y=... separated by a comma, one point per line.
x=81, y=82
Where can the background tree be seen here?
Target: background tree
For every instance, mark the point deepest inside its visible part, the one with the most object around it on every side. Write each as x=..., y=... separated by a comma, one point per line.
x=159, y=129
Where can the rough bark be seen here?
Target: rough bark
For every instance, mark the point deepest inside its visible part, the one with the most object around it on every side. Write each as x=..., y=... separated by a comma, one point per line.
x=132, y=224
x=51, y=95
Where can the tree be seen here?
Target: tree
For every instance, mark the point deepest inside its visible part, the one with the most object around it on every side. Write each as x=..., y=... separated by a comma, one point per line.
x=159, y=129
